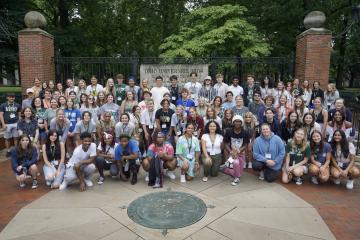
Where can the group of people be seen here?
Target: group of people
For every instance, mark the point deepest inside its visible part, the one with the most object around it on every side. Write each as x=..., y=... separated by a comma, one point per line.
x=289, y=130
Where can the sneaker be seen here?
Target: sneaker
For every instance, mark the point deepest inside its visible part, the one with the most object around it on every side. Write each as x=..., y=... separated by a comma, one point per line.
x=314, y=180
x=147, y=177
x=63, y=185
x=48, y=183
x=337, y=181
x=244, y=165
x=350, y=184
x=170, y=174
x=88, y=182
x=182, y=178
x=157, y=183
x=101, y=180
x=34, y=184
x=261, y=176
x=205, y=179
x=249, y=165
x=298, y=181
x=235, y=181
x=22, y=184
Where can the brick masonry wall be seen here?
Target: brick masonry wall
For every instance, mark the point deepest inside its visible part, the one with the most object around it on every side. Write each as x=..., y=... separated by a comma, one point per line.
x=313, y=52
x=36, y=52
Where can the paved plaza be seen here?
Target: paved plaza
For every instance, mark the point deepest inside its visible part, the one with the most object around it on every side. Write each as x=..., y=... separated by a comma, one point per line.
x=252, y=210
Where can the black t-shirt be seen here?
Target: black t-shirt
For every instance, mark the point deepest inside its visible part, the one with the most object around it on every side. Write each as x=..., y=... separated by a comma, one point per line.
x=237, y=140
x=10, y=112
x=165, y=119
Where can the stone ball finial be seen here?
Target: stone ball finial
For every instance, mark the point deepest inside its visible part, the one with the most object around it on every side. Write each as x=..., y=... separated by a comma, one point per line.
x=34, y=19
x=314, y=19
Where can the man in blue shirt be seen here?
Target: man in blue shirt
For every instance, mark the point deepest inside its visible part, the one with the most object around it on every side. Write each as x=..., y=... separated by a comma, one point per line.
x=126, y=154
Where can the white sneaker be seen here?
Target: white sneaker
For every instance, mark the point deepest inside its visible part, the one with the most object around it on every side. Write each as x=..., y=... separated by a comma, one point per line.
x=48, y=183
x=314, y=180
x=182, y=178
x=244, y=165
x=22, y=184
x=88, y=182
x=261, y=176
x=63, y=185
x=147, y=177
x=306, y=170
x=336, y=181
x=350, y=184
x=249, y=165
x=235, y=181
x=170, y=174
x=101, y=180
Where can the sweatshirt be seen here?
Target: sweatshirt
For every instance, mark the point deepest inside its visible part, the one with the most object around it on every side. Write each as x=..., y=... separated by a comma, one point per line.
x=26, y=161
x=274, y=146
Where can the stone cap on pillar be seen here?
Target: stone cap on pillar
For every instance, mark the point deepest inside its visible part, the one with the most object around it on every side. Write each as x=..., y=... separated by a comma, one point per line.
x=314, y=24
x=34, y=21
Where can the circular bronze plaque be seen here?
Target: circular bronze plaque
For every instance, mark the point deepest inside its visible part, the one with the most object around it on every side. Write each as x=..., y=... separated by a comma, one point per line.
x=167, y=210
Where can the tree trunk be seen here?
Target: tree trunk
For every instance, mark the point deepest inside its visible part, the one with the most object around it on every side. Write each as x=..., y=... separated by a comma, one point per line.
x=341, y=60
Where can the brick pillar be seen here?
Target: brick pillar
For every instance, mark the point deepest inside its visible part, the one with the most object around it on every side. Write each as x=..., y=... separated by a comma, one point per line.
x=313, y=50
x=36, y=52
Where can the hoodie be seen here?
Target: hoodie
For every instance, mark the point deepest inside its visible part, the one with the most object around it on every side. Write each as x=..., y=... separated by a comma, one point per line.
x=274, y=145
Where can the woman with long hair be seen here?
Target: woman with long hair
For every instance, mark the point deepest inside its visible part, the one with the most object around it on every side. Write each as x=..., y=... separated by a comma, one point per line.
x=309, y=124
x=28, y=125
x=289, y=126
x=47, y=98
x=343, y=160
x=51, y=86
x=144, y=87
x=81, y=88
x=129, y=102
x=124, y=127
x=60, y=124
x=100, y=98
x=252, y=127
x=320, y=114
x=211, y=115
x=105, y=124
x=83, y=101
x=40, y=117
x=330, y=95
x=297, y=156
x=60, y=89
x=283, y=109
x=320, y=158
x=90, y=106
x=44, y=85
x=339, y=123
x=50, y=113
x=227, y=120
x=85, y=125
x=201, y=108
x=316, y=92
x=299, y=107
x=212, y=146
x=110, y=87
x=138, y=131
x=54, y=160
x=307, y=92
x=62, y=102
x=280, y=90
x=267, y=87
x=110, y=106
x=24, y=158
x=239, y=108
x=217, y=106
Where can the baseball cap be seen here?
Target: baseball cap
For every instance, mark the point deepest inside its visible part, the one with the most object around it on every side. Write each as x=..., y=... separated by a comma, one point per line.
x=207, y=78
x=237, y=117
x=29, y=90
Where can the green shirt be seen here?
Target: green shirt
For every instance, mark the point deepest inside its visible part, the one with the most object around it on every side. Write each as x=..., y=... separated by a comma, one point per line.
x=120, y=93
x=296, y=155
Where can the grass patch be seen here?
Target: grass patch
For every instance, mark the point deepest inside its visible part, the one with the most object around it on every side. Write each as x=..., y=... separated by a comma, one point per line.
x=14, y=89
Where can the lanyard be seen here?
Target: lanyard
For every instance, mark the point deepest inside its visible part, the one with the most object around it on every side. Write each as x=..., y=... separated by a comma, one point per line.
x=52, y=150
x=151, y=117
x=189, y=145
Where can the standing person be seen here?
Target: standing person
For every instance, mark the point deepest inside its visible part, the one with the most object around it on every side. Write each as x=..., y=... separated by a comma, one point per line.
x=50, y=113
x=9, y=116
x=309, y=124
x=211, y=115
x=330, y=95
x=54, y=160
x=343, y=160
x=100, y=98
x=266, y=88
x=105, y=157
x=178, y=122
x=217, y=106
x=249, y=90
x=268, y=154
x=126, y=154
x=174, y=89
x=144, y=87
x=51, y=86
x=146, y=96
x=229, y=101
x=194, y=87
x=256, y=106
x=307, y=92
x=340, y=123
x=235, y=88
x=296, y=90
x=212, y=146
x=70, y=87
x=340, y=105
x=120, y=89
x=158, y=91
x=91, y=107
x=24, y=158
x=163, y=118
x=37, y=87
x=316, y=92
x=40, y=118
x=320, y=114
x=62, y=102
x=28, y=125
x=110, y=87
x=110, y=106
x=220, y=87
x=44, y=86
x=299, y=107
x=282, y=110
x=73, y=115
x=128, y=103
x=197, y=121
x=320, y=158
x=236, y=141
x=269, y=103
x=207, y=91
x=296, y=159
x=188, y=154
x=81, y=164
x=148, y=122
x=227, y=120
x=81, y=88
x=168, y=97
x=251, y=126
x=28, y=100
x=280, y=90
x=85, y=125
x=239, y=108
x=202, y=107
x=289, y=126
x=185, y=101
x=60, y=89
x=272, y=121
x=124, y=127
x=94, y=88
x=47, y=99
x=159, y=161
x=61, y=125
x=131, y=87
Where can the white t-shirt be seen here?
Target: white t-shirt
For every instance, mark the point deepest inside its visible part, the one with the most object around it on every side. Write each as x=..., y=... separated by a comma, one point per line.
x=221, y=89
x=148, y=119
x=157, y=95
x=340, y=159
x=194, y=89
x=237, y=91
x=108, y=149
x=213, y=148
x=90, y=89
x=79, y=154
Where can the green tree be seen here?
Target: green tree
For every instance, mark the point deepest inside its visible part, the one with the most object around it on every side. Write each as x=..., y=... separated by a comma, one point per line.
x=216, y=28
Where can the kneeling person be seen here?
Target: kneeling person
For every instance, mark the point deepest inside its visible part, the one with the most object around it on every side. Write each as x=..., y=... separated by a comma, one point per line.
x=81, y=165
x=160, y=159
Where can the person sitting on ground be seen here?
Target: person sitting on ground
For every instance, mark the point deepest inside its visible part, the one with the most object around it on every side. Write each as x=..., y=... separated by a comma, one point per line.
x=268, y=154
x=320, y=158
x=297, y=156
x=105, y=159
x=343, y=160
x=236, y=141
x=54, y=160
x=24, y=158
x=126, y=155
x=159, y=161
x=81, y=164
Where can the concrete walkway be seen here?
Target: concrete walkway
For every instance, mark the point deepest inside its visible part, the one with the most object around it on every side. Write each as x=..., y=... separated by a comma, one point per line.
x=251, y=210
